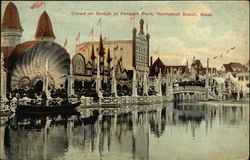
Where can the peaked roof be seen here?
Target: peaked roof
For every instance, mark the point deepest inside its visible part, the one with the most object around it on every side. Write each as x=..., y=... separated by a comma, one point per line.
x=197, y=63
x=93, y=53
x=158, y=62
x=11, y=18
x=109, y=59
x=229, y=67
x=44, y=26
x=101, y=48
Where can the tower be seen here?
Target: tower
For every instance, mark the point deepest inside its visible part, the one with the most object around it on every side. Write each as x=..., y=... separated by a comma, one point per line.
x=109, y=59
x=11, y=28
x=44, y=30
x=134, y=45
x=147, y=38
x=93, y=57
x=101, y=56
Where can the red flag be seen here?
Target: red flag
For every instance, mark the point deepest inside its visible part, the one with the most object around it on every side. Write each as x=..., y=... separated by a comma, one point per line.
x=37, y=4
x=156, y=52
x=132, y=18
x=78, y=37
x=65, y=43
x=104, y=38
x=91, y=32
x=83, y=48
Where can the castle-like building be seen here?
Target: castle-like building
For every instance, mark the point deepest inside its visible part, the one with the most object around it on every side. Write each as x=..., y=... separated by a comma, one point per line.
x=121, y=56
x=26, y=62
x=32, y=64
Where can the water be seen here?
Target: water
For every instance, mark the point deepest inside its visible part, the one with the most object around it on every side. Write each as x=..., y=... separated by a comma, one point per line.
x=155, y=132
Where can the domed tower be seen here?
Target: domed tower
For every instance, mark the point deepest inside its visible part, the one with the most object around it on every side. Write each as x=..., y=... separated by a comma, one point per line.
x=44, y=30
x=11, y=28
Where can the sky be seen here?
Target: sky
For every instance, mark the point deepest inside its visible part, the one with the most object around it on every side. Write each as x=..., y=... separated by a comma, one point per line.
x=174, y=37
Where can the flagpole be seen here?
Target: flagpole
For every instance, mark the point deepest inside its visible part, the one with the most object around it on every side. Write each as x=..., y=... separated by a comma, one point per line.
x=93, y=33
x=141, y=12
x=44, y=5
x=100, y=26
x=147, y=24
x=79, y=37
x=134, y=21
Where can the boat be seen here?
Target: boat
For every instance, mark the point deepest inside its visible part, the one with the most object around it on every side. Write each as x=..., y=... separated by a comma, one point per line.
x=29, y=108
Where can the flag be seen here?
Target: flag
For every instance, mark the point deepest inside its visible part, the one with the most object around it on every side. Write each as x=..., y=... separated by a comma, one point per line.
x=99, y=22
x=65, y=43
x=132, y=19
x=78, y=37
x=221, y=55
x=84, y=47
x=91, y=32
x=141, y=11
x=37, y=4
x=156, y=52
x=215, y=57
x=104, y=38
x=232, y=48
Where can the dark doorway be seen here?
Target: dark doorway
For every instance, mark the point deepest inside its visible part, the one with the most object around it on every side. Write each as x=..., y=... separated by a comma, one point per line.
x=39, y=86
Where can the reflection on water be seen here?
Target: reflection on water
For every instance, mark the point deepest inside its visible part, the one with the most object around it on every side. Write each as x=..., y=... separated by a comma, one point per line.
x=135, y=132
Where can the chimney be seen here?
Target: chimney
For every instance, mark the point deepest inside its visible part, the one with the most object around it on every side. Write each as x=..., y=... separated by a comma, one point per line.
x=151, y=61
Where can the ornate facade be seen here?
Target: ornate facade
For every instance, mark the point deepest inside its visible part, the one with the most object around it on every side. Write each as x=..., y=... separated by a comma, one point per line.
x=122, y=55
x=25, y=62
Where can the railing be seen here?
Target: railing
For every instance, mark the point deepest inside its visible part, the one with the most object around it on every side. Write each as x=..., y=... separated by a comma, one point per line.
x=130, y=99
x=212, y=94
x=87, y=100
x=188, y=89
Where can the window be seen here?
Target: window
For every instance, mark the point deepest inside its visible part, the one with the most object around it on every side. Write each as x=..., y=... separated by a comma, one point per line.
x=247, y=78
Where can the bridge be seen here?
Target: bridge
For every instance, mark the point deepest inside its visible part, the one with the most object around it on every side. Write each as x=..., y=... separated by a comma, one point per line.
x=193, y=93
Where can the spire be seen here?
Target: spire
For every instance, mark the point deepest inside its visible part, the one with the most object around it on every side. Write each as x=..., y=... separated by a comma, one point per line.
x=109, y=59
x=101, y=49
x=141, y=26
x=11, y=29
x=93, y=57
x=44, y=29
x=11, y=18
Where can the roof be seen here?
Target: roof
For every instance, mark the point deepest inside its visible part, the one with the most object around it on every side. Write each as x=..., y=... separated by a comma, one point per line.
x=229, y=67
x=101, y=48
x=21, y=48
x=11, y=54
x=44, y=26
x=197, y=63
x=158, y=62
x=11, y=18
x=164, y=69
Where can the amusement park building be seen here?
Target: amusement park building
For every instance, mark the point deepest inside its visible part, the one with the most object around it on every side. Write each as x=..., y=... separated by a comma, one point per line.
x=25, y=62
